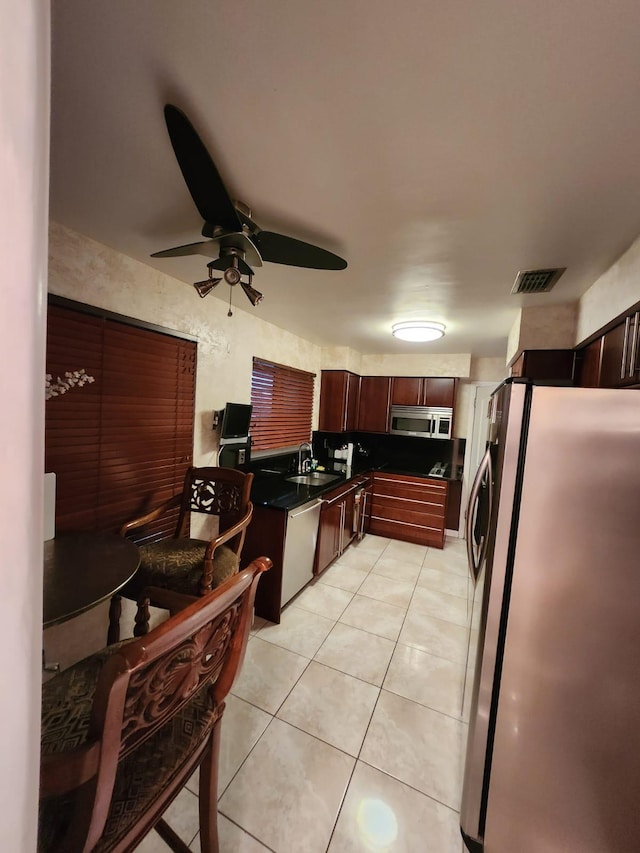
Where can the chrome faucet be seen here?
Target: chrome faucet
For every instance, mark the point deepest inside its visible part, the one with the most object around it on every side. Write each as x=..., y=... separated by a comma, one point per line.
x=305, y=466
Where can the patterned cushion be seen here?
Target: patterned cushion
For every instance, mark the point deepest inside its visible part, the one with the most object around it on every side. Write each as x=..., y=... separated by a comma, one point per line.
x=66, y=706
x=67, y=700
x=177, y=564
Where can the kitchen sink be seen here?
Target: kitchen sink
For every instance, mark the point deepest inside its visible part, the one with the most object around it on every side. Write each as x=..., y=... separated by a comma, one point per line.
x=314, y=478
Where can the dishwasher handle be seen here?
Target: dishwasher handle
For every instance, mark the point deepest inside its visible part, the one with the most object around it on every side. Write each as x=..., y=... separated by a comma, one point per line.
x=306, y=508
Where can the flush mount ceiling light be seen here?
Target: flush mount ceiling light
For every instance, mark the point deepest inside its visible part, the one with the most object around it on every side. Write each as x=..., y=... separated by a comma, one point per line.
x=418, y=331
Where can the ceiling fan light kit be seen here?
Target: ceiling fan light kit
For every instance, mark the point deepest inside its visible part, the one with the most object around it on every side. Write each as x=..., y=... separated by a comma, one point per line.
x=228, y=224
x=418, y=331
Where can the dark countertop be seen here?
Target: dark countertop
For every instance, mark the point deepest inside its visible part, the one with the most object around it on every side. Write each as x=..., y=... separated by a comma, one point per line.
x=272, y=489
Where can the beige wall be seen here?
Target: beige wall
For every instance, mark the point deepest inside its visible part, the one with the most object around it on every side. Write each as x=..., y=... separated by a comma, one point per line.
x=416, y=365
x=612, y=294
x=341, y=358
x=81, y=269
x=543, y=327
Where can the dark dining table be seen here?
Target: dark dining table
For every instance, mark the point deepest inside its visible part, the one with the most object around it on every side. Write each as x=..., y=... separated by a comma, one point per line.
x=82, y=569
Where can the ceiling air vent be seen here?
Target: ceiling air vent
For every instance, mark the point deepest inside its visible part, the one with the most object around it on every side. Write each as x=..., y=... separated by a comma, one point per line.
x=536, y=281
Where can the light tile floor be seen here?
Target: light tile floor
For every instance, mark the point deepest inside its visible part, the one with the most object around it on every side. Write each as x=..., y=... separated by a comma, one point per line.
x=344, y=731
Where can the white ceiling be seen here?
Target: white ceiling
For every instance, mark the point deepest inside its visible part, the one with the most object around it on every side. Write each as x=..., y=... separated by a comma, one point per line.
x=439, y=147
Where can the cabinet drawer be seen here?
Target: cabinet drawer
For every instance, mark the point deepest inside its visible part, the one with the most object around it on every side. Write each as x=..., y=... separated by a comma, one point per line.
x=420, y=518
x=386, y=503
x=418, y=534
x=412, y=488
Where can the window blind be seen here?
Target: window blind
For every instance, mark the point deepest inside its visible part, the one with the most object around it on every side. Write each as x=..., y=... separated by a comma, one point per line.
x=121, y=444
x=282, y=400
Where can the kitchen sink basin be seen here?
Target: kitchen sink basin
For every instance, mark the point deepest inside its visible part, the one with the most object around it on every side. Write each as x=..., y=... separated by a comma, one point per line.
x=314, y=478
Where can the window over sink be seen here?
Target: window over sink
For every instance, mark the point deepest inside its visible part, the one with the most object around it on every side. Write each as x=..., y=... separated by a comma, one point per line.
x=282, y=400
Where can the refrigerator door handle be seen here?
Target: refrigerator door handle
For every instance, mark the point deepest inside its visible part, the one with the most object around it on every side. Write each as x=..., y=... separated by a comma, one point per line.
x=483, y=474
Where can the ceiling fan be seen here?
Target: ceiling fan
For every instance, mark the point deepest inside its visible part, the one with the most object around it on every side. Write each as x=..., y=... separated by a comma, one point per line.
x=234, y=240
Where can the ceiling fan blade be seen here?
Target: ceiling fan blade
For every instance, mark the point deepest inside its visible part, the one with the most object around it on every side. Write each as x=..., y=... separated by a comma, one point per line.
x=199, y=171
x=280, y=249
x=209, y=248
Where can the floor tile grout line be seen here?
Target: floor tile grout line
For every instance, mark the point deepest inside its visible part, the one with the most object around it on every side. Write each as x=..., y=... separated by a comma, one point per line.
x=243, y=762
x=342, y=802
x=412, y=787
x=321, y=740
x=422, y=705
x=251, y=835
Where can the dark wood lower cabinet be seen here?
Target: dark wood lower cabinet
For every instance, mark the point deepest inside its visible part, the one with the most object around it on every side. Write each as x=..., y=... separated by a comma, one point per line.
x=411, y=509
x=338, y=524
x=265, y=538
x=329, y=533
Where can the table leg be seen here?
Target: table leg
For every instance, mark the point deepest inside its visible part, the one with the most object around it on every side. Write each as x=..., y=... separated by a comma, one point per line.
x=115, y=609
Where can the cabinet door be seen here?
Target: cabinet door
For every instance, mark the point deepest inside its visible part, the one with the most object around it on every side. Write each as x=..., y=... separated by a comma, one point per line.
x=353, y=397
x=439, y=391
x=329, y=532
x=373, y=410
x=589, y=365
x=348, y=532
x=631, y=359
x=620, y=364
x=613, y=349
x=338, y=400
x=406, y=390
x=544, y=364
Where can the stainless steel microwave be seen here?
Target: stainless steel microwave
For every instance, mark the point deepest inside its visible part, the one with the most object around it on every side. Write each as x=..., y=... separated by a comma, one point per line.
x=421, y=421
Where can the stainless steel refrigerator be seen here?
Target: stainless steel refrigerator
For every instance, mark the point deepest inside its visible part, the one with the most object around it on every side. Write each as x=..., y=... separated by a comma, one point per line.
x=553, y=531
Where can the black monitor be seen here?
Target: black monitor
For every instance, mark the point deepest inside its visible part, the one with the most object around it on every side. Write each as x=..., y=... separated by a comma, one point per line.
x=235, y=421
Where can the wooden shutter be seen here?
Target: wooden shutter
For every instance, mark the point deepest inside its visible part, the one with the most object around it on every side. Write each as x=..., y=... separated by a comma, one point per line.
x=123, y=443
x=282, y=400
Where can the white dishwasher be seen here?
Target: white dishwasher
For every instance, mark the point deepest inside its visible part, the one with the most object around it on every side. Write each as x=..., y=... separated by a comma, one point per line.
x=299, y=548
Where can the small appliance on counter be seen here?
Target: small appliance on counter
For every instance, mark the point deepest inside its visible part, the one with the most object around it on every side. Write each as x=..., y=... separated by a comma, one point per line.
x=439, y=470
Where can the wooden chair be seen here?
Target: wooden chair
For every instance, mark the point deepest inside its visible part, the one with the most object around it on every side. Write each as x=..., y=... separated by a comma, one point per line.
x=174, y=571
x=123, y=730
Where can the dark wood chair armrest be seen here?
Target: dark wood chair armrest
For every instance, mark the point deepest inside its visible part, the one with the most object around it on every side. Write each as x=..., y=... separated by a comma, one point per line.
x=238, y=527
x=166, y=599
x=154, y=513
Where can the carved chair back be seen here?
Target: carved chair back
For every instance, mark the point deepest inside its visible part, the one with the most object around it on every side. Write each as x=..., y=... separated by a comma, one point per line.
x=144, y=684
x=216, y=491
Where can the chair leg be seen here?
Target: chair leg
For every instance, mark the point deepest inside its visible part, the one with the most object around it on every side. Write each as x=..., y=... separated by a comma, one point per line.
x=208, y=793
x=142, y=618
x=115, y=610
x=171, y=838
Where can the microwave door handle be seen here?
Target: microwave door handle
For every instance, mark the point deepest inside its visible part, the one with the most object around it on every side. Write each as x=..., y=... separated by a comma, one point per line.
x=475, y=559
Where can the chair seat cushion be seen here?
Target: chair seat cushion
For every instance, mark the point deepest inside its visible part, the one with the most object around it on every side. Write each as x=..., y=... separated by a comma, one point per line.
x=66, y=705
x=177, y=564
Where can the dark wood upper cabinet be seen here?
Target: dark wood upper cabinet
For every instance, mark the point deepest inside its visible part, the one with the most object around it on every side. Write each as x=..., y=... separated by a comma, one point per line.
x=406, y=391
x=544, y=364
x=439, y=391
x=588, y=362
x=338, y=401
x=611, y=366
x=423, y=391
x=375, y=396
x=620, y=364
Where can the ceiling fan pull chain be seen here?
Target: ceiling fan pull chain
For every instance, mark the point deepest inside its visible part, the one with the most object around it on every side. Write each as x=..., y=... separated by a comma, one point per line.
x=230, y=312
